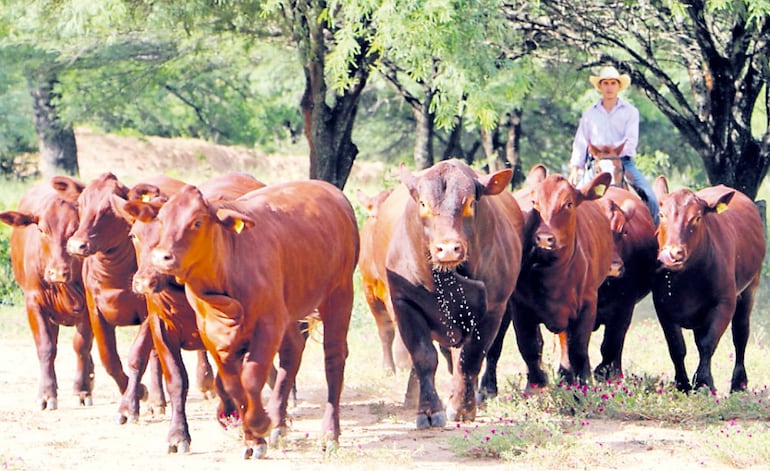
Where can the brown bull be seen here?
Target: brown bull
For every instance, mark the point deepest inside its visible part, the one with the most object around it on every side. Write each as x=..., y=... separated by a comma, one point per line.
x=375, y=236
x=109, y=264
x=567, y=255
x=631, y=273
x=254, y=267
x=452, y=264
x=170, y=317
x=711, y=248
x=51, y=281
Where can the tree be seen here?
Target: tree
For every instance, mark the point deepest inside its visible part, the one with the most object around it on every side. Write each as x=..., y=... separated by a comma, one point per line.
x=704, y=65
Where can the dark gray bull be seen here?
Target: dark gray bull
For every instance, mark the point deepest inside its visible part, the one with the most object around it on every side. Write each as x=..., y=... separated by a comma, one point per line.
x=452, y=264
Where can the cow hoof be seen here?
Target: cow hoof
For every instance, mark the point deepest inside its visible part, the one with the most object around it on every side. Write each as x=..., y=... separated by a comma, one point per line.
x=257, y=452
x=84, y=400
x=122, y=419
x=181, y=447
x=276, y=434
x=425, y=421
x=51, y=404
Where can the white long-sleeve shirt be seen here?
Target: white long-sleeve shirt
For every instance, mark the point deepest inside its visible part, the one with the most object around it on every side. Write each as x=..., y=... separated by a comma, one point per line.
x=600, y=127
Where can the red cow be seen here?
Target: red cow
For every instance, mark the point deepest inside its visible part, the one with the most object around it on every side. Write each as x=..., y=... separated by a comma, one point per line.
x=51, y=280
x=567, y=255
x=108, y=267
x=452, y=264
x=711, y=248
x=249, y=285
x=631, y=273
x=170, y=317
x=374, y=239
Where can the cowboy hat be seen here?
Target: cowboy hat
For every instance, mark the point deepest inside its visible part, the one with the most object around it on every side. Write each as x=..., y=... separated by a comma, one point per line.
x=609, y=72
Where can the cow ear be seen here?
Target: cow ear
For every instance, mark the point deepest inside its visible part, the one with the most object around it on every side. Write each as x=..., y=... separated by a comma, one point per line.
x=629, y=209
x=142, y=211
x=67, y=187
x=234, y=220
x=536, y=174
x=660, y=187
x=597, y=187
x=118, y=206
x=17, y=218
x=408, y=180
x=366, y=201
x=144, y=192
x=496, y=182
x=722, y=203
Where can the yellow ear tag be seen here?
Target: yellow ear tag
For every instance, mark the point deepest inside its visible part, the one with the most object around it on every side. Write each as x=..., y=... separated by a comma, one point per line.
x=238, y=226
x=146, y=198
x=600, y=189
x=721, y=208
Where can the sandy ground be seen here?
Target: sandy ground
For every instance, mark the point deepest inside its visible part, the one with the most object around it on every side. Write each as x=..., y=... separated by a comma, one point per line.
x=378, y=433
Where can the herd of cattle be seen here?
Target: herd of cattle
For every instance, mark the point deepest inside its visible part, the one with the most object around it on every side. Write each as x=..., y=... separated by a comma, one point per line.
x=235, y=268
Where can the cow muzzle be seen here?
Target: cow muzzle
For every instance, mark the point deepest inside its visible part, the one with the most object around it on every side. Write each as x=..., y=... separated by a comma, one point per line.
x=61, y=274
x=448, y=254
x=78, y=247
x=545, y=241
x=672, y=257
x=143, y=284
x=163, y=260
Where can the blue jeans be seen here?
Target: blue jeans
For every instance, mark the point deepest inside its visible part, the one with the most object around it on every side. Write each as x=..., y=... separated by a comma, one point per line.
x=642, y=186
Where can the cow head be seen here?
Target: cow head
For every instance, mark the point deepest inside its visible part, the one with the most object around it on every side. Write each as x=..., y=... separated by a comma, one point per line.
x=681, y=228
x=56, y=222
x=618, y=215
x=188, y=224
x=100, y=228
x=446, y=196
x=140, y=211
x=555, y=202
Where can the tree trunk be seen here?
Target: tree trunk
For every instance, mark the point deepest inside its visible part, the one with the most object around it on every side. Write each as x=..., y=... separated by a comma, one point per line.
x=58, y=150
x=328, y=122
x=454, y=148
x=423, y=141
x=512, y=146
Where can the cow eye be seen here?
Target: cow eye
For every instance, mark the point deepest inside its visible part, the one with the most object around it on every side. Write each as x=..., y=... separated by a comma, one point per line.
x=569, y=205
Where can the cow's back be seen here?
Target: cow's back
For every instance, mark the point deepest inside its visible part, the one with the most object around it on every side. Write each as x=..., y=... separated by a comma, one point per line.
x=306, y=240
x=739, y=232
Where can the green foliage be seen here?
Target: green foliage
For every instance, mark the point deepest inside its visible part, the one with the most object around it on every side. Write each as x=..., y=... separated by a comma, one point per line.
x=17, y=131
x=10, y=293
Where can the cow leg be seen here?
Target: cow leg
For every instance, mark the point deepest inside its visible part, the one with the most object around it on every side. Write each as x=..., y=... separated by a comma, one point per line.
x=335, y=312
x=249, y=384
x=169, y=351
x=204, y=375
x=386, y=329
x=677, y=350
x=707, y=339
x=741, y=329
x=156, y=395
x=488, y=384
x=104, y=336
x=417, y=338
x=565, y=366
x=612, y=344
x=530, y=342
x=578, y=336
x=290, y=358
x=138, y=357
x=82, y=342
x=45, y=335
